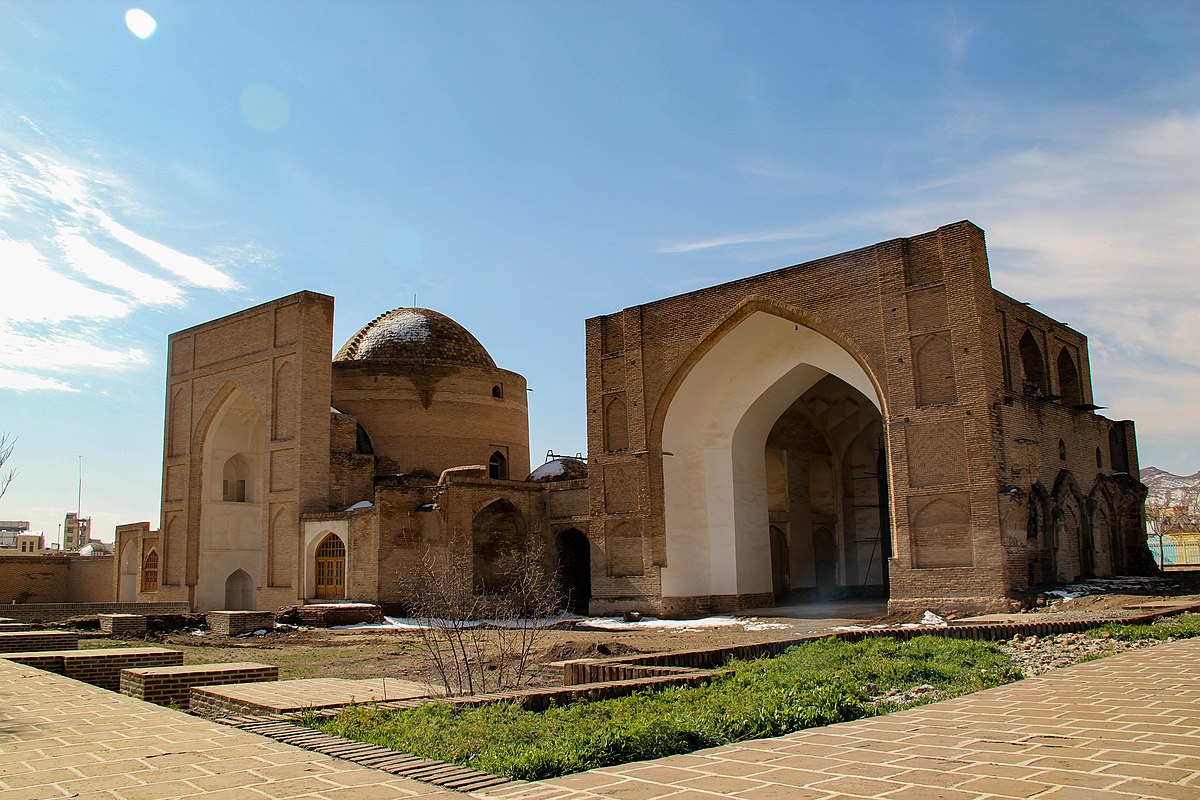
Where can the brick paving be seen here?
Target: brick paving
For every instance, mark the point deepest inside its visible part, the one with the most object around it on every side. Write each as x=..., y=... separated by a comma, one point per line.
x=282, y=697
x=1124, y=727
x=63, y=738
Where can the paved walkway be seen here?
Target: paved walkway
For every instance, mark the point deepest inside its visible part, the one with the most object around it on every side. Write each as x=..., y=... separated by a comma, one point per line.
x=1123, y=727
x=62, y=738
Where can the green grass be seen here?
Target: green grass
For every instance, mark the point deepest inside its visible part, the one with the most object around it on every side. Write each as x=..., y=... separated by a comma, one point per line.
x=1184, y=626
x=814, y=684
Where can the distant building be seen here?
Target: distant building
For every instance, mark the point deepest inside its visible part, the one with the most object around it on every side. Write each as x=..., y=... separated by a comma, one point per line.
x=10, y=529
x=77, y=532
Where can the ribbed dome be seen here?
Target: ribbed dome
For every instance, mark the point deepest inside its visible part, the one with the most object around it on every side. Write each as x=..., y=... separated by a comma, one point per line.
x=415, y=336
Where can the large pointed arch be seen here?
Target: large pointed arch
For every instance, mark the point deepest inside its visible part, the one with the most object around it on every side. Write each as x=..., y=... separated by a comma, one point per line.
x=714, y=418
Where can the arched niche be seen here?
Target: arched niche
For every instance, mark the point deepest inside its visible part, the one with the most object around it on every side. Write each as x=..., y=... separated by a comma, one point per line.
x=1069, y=387
x=1033, y=366
x=127, y=578
x=239, y=591
x=497, y=542
x=498, y=466
x=716, y=426
x=233, y=517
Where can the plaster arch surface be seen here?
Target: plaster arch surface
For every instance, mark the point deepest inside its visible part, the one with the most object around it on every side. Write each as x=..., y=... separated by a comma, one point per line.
x=230, y=530
x=128, y=574
x=715, y=426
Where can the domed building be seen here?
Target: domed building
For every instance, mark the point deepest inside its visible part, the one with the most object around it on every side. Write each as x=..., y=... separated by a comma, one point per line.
x=289, y=478
x=880, y=424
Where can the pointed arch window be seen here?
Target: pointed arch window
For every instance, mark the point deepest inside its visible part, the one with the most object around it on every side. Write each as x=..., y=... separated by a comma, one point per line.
x=498, y=466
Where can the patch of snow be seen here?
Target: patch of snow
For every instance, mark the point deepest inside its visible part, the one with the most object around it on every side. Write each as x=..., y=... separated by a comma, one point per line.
x=361, y=504
x=653, y=623
x=406, y=326
x=1104, y=586
x=339, y=605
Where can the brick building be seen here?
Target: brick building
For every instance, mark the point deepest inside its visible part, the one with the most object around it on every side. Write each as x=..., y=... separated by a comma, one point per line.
x=878, y=423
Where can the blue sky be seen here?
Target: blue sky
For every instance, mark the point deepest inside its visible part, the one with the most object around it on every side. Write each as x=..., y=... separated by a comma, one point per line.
x=521, y=166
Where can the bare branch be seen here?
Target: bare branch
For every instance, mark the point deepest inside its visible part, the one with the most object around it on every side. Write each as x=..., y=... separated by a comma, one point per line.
x=6, y=448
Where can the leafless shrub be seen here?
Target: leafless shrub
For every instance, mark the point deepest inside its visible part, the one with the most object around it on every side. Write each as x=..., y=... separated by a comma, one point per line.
x=6, y=448
x=478, y=641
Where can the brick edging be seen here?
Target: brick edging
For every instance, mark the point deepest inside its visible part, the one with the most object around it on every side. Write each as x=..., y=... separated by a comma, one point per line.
x=404, y=765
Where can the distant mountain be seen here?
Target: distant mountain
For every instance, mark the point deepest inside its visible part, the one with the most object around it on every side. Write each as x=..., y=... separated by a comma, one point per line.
x=1182, y=489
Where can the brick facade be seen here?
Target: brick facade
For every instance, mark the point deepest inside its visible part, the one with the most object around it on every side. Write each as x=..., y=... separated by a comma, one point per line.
x=881, y=422
x=965, y=441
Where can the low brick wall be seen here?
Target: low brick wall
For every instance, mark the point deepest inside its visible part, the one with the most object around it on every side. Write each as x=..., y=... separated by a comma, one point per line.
x=123, y=624
x=15, y=626
x=48, y=660
x=232, y=623
x=328, y=615
x=167, y=685
x=33, y=641
x=102, y=667
x=53, y=612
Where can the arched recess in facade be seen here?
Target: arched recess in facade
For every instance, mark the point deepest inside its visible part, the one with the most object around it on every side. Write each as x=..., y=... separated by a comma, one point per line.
x=497, y=546
x=773, y=423
x=233, y=467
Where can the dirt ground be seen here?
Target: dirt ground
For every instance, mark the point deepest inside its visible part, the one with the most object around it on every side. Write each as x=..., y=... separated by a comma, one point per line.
x=355, y=653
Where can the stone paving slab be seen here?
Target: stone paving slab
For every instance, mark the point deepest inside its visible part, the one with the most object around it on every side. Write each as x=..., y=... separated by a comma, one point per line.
x=1126, y=727
x=63, y=738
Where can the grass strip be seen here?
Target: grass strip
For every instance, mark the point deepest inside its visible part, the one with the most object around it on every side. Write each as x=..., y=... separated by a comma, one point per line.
x=1184, y=626
x=817, y=683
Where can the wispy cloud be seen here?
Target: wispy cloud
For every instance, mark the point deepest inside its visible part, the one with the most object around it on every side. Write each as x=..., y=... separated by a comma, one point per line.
x=752, y=237
x=1095, y=225
x=74, y=270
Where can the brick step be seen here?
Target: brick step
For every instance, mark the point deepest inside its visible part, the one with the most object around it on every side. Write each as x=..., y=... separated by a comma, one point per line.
x=173, y=685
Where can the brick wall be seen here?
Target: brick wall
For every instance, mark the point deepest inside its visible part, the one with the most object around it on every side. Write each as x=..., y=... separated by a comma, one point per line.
x=20, y=641
x=51, y=612
x=102, y=667
x=172, y=684
x=231, y=623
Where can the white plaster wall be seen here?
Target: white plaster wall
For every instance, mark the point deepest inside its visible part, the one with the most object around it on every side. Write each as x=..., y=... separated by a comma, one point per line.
x=230, y=532
x=715, y=495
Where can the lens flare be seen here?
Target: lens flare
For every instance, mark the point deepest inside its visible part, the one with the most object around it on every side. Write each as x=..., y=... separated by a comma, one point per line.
x=265, y=107
x=140, y=24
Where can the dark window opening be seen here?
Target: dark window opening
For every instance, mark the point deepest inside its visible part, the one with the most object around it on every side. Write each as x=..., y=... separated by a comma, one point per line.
x=498, y=466
x=498, y=392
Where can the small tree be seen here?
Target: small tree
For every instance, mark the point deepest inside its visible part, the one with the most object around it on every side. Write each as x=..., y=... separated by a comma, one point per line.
x=6, y=448
x=479, y=641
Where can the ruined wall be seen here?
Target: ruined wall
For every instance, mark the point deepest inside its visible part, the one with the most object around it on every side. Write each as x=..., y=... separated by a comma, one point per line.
x=56, y=579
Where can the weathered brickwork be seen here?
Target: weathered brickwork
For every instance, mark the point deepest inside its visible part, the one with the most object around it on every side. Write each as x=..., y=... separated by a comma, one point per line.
x=19, y=641
x=172, y=684
x=968, y=435
x=56, y=578
x=123, y=624
x=232, y=623
x=52, y=612
x=877, y=423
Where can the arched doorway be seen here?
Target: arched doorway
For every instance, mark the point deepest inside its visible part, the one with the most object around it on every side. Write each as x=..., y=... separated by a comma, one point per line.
x=330, y=568
x=771, y=385
x=575, y=570
x=239, y=592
